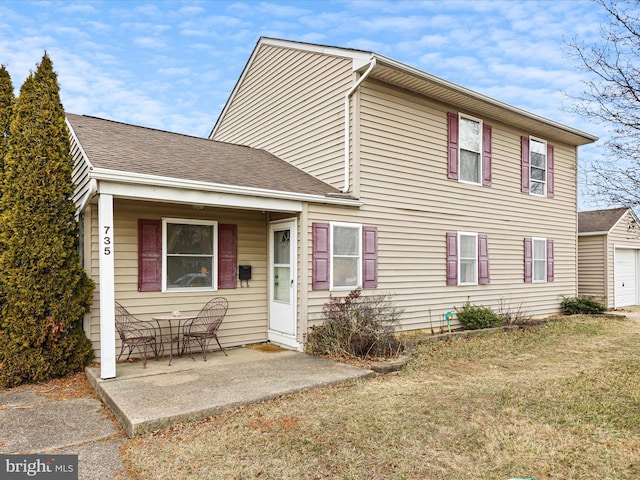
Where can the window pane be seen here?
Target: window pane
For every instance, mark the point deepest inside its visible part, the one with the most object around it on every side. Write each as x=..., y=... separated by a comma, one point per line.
x=469, y=166
x=537, y=174
x=282, y=284
x=468, y=271
x=467, y=246
x=281, y=247
x=189, y=271
x=539, y=249
x=539, y=270
x=536, y=146
x=469, y=135
x=536, y=188
x=188, y=239
x=345, y=272
x=345, y=241
x=538, y=160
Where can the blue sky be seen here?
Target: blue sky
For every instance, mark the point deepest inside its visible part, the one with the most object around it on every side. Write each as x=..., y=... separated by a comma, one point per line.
x=172, y=64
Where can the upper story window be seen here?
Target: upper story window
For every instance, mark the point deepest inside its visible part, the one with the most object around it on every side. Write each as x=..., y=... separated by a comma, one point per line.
x=469, y=149
x=189, y=248
x=538, y=165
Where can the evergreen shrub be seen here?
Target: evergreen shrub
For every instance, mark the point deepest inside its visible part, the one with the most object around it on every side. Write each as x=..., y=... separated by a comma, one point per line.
x=582, y=305
x=475, y=317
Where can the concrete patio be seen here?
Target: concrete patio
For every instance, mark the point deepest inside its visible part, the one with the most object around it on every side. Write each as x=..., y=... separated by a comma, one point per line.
x=151, y=398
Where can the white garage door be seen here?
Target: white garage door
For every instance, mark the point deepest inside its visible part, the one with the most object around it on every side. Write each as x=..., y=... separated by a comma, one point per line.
x=625, y=277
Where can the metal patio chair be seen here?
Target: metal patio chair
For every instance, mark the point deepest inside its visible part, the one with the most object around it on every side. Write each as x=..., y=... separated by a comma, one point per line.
x=135, y=333
x=205, y=326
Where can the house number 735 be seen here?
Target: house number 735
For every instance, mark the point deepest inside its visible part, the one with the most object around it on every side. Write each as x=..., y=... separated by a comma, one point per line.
x=106, y=240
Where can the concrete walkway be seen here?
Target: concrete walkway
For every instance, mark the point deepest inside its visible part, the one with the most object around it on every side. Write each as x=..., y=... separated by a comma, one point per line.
x=151, y=398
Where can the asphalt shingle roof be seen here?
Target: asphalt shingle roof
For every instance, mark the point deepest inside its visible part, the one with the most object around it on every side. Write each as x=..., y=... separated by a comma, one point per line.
x=128, y=148
x=599, y=220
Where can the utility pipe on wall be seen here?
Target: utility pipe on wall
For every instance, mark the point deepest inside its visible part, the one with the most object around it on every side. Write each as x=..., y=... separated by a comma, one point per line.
x=347, y=99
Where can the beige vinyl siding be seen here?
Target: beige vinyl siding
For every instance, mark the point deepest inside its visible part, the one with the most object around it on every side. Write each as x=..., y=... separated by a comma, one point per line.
x=592, y=266
x=291, y=104
x=407, y=195
x=246, y=320
x=80, y=173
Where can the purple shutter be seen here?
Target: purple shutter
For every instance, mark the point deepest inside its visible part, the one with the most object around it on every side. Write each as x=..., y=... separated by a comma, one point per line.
x=149, y=255
x=483, y=259
x=369, y=257
x=524, y=155
x=227, y=256
x=550, y=266
x=452, y=258
x=550, y=184
x=486, y=155
x=321, y=260
x=528, y=260
x=452, y=156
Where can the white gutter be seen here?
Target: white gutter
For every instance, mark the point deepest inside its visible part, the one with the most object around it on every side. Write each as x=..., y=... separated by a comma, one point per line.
x=117, y=176
x=347, y=99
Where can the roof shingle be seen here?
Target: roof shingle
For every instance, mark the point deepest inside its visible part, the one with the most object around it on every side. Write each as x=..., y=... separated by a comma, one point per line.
x=599, y=220
x=128, y=148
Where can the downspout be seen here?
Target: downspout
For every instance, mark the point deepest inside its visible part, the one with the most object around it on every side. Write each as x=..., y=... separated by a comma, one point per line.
x=93, y=189
x=347, y=99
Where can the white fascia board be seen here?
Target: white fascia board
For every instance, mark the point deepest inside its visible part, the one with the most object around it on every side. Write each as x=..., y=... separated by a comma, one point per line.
x=592, y=234
x=381, y=59
x=360, y=58
x=133, y=185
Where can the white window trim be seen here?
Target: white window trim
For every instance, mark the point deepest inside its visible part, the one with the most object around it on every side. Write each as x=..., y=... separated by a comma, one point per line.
x=480, y=173
x=467, y=234
x=358, y=226
x=533, y=259
x=214, y=268
x=546, y=168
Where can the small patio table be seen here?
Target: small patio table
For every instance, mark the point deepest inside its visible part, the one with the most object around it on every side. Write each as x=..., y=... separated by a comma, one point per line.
x=179, y=320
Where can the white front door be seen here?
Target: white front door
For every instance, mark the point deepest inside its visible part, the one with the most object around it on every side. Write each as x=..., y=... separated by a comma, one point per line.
x=282, y=279
x=625, y=276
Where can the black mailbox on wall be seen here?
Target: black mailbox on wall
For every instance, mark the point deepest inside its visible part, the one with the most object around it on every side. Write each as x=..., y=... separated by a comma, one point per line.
x=244, y=274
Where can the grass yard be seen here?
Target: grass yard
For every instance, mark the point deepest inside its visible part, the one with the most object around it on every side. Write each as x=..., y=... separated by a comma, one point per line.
x=559, y=401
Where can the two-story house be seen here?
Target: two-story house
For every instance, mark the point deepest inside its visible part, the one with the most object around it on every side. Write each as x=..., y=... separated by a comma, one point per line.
x=356, y=171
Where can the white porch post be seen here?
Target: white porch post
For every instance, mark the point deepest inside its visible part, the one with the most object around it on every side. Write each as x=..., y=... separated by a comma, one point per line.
x=107, y=288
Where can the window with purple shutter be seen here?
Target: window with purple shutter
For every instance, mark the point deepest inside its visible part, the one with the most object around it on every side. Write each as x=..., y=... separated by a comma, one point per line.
x=369, y=257
x=486, y=155
x=452, y=156
x=452, y=258
x=149, y=255
x=524, y=156
x=227, y=255
x=528, y=260
x=321, y=260
x=550, y=171
x=483, y=259
x=550, y=261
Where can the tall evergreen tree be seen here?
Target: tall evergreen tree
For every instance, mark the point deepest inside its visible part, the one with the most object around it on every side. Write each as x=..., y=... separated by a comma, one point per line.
x=6, y=105
x=44, y=288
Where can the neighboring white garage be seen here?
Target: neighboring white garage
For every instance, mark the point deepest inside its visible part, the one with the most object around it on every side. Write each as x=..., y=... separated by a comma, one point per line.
x=626, y=277
x=609, y=256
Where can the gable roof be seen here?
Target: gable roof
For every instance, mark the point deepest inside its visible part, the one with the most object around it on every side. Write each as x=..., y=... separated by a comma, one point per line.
x=405, y=76
x=134, y=150
x=600, y=221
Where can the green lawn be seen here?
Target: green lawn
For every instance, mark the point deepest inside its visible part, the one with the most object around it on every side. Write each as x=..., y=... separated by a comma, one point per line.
x=559, y=401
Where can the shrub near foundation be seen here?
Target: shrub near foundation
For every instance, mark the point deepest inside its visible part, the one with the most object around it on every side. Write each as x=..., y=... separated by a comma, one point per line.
x=476, y=317
x=582, y=305
x=357, y=326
